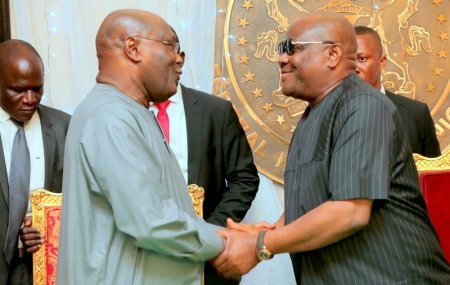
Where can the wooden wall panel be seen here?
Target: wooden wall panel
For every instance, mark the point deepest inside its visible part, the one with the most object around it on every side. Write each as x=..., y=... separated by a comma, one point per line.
x=5, y=30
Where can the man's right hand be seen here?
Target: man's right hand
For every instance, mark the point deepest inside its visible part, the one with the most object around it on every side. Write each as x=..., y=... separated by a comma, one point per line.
x=239, y=255
x=31, y=237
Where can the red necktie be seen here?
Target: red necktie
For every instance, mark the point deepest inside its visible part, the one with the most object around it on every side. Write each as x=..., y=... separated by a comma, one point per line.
x=163, y=118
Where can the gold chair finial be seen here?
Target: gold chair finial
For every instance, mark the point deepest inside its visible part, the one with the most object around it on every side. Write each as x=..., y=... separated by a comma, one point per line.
x=197, y=194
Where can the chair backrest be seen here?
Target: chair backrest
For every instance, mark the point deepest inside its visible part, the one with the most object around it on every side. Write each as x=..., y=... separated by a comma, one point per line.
x=432, y=163
x=434, y=176
x=197, y=196
x=46, y=216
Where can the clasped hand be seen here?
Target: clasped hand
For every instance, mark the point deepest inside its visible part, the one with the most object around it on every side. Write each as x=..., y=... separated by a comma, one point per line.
x=30, y=237
x=239, y=255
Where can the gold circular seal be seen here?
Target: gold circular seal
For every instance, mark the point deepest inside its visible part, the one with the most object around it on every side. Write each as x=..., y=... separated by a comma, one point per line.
x=415, y=35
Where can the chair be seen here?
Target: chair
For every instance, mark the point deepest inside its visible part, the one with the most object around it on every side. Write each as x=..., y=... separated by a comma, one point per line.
x=434, y=176
x=46, y=214
x=197, y=196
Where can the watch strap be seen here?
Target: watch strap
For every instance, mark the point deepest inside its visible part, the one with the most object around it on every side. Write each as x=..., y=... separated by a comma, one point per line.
x=260, y=240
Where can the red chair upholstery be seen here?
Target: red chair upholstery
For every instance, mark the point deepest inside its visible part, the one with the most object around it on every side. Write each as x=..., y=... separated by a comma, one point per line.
x=435, y=187
x=46, y=215
x=434, y=176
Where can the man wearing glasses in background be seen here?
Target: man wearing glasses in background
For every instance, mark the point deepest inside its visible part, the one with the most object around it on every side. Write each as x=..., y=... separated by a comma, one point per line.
x=353, y=209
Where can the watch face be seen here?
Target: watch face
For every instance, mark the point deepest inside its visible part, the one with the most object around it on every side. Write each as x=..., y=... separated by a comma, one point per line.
x=264, y=254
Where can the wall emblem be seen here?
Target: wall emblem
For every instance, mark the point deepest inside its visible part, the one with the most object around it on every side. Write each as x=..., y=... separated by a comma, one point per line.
x=415, y=36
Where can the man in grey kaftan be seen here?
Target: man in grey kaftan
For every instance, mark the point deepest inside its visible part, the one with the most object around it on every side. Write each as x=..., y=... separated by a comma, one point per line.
x=127, y=217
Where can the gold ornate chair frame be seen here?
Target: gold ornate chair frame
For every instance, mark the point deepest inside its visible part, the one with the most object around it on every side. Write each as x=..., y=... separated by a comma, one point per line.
x=197, y=196
x=46, y=210
x=434, y=176
x=432, y=164
x=45, y=204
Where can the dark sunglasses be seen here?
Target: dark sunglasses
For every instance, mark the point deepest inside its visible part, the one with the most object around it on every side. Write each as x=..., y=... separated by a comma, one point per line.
x=288, y=46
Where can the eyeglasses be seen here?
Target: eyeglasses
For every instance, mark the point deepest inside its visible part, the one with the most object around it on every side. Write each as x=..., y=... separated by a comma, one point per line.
x=175, y=45
x=288, y=46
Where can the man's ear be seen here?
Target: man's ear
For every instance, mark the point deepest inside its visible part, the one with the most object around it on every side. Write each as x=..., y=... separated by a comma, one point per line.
x=383, y=62
x=132, y=49
x=334, y=55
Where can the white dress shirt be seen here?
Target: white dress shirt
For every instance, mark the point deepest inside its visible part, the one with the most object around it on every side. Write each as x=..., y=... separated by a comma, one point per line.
x=177, y=128
x=33, y=133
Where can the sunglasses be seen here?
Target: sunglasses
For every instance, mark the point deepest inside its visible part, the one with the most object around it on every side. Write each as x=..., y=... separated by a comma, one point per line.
x=288, y=46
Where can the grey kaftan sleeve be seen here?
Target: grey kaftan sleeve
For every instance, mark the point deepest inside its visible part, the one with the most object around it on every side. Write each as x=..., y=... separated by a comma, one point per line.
x=125, y=155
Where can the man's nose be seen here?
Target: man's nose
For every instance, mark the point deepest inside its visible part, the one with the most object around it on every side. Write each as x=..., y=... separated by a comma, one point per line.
x=30, y=97
x=180, y=59
x=282, y=59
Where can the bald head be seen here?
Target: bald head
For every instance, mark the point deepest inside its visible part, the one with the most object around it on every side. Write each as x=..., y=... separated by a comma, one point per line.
x=329, y=27
x=121, y=24
x=14, y=50
x=137, y=53
x=21, y=79
x=324, y=55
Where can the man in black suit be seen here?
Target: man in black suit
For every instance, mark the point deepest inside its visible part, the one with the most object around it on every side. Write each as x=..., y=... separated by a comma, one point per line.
x=219, y=157
x=21, y=89
x=213, y=152
x=415, y=115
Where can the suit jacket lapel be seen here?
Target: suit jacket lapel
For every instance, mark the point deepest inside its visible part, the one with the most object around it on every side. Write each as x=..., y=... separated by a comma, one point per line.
x=194, y=127
x=3, y=175
x=49, y=140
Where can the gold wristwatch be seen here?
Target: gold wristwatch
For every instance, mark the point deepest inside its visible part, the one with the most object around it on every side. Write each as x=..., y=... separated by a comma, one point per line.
x=261, y=251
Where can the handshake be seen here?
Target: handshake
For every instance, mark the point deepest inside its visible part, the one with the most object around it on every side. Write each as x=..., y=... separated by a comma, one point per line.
x=244, y=248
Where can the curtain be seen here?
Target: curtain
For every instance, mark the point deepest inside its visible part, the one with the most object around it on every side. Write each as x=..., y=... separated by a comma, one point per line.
x=63, y=32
